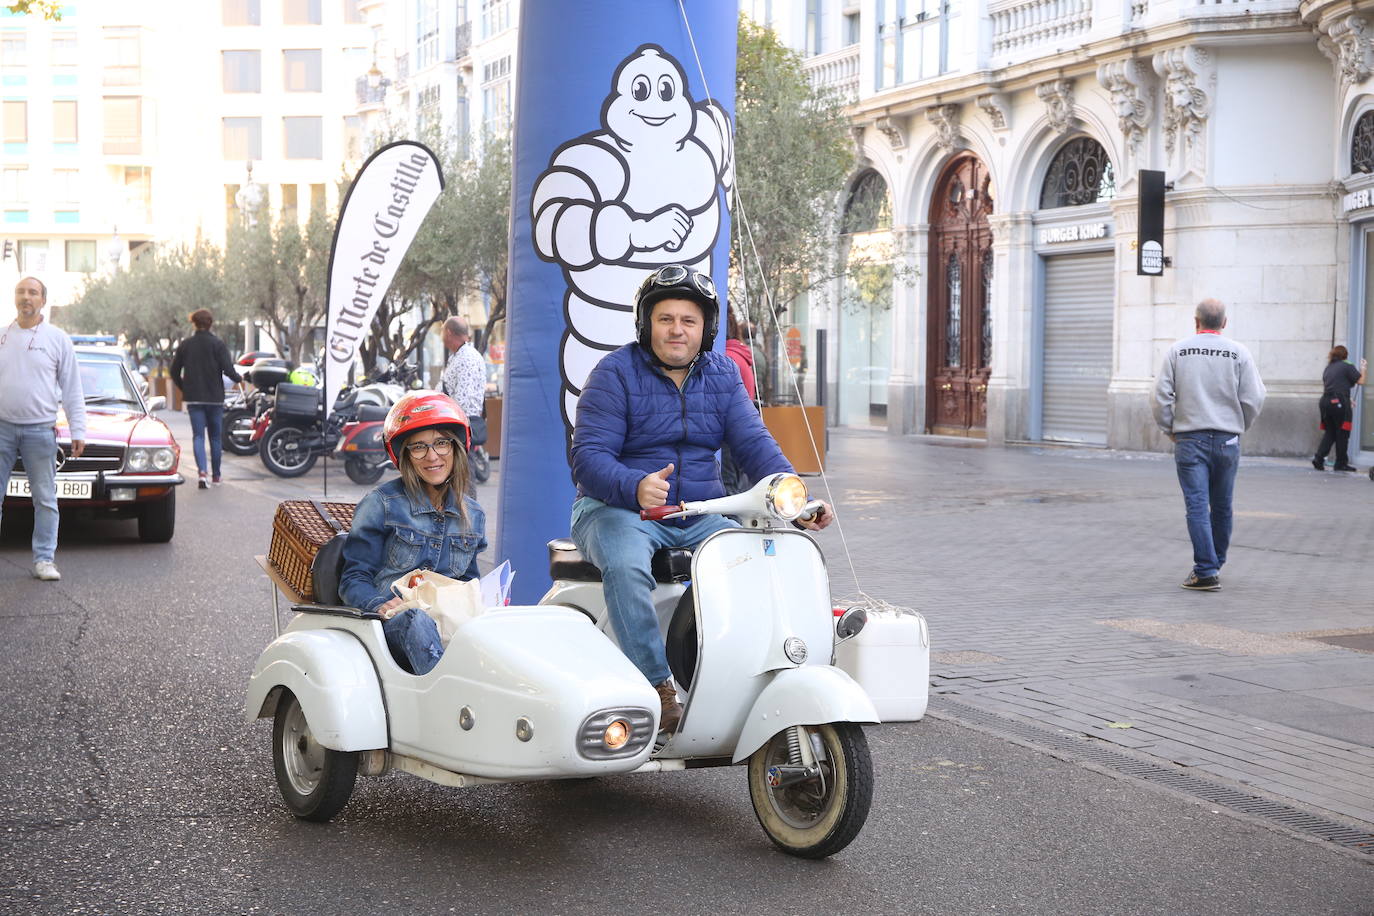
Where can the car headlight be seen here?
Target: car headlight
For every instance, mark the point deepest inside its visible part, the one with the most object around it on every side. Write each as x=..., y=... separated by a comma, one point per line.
x=787, y=497
x=164, y=459
x=138, y=459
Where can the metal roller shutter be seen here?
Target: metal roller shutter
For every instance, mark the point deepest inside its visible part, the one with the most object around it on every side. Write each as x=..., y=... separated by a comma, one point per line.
x=1079, y=294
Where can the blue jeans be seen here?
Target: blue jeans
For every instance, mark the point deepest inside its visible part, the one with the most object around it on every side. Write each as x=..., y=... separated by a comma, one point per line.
x=621, y=544
x=414, y=636
x=1207, y=462
x=207, y=419
x=36, y=443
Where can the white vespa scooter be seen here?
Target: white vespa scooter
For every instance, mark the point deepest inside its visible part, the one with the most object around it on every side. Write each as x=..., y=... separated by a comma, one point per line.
x=751, y=643
x=526, y=693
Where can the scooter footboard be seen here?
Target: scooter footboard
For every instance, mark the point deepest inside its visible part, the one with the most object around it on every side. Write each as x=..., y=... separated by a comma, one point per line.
x=809, y=695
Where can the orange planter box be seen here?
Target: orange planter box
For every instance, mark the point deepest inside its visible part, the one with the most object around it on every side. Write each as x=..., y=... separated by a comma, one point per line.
x=796, y=428
x=493, y=412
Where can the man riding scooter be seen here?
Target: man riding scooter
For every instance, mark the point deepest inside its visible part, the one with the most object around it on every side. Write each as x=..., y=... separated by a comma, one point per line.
x=650, y=420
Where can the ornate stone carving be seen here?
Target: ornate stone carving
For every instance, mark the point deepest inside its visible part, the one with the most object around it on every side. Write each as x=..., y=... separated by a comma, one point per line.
x=891, y=129
x=860, y=154
x=945, y=119
x=1346, y=40
x=1189, y=75
x=1131, y=84
x=1058, y=98
x=997, y=107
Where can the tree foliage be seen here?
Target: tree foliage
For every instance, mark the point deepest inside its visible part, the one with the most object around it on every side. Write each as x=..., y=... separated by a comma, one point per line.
x=48, y=9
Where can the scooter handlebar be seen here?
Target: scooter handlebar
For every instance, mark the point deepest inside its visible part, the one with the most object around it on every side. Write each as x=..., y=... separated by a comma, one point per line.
x=659, y=513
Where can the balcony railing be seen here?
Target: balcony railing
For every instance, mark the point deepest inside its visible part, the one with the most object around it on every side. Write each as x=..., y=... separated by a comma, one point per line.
x=837, y=71
x=462, y=40
x=402, y=68
x=1021, y=25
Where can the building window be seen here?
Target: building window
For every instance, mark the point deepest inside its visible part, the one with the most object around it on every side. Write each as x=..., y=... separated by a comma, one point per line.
x=316, y=199
x=303, y=138
x=301, y=12
x=954, y=330
x=64, y=121
x=16, y=186
x=122, y=57
x=243, y=138
x=1362, y=144
x=852, y=35
x=14, y=50
x=987, y=308
x=868, y=208
x=289, y=212
x=242, y=12
x=123, y=124
x=815, y=28
x=353, y=137
x=33, y=255
x=242, y=71
x=1080, y=173
x=427, y=106
x=63, y=50
x=496, y=97
x=66, y=186
x=495, y=17
x=16, y=122
x=138, y=190
x=301, y=70
x=913, y=39
x=426, y=33
x=81, y=257
x=351, y=14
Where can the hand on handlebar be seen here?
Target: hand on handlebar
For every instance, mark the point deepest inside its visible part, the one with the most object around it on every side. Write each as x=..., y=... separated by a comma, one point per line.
x=653, y=489
x=816, y=516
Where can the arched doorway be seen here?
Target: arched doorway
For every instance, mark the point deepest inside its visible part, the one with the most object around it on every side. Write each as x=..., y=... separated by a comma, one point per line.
x=960, y=321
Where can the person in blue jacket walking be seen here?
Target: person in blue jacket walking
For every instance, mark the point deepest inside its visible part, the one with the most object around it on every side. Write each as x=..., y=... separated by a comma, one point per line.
x=649, y=423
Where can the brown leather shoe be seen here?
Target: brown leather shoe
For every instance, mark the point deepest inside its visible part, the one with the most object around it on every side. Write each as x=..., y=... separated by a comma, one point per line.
x=672, y=710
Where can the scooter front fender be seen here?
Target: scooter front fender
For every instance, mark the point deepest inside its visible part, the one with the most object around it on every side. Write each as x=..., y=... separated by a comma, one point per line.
x=809, y=695
x=332, y=676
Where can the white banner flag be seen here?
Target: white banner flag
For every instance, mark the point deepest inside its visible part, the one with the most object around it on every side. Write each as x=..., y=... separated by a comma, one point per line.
x=380, y=215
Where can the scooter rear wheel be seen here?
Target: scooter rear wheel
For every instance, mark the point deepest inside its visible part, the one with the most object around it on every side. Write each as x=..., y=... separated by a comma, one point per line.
x=315, y=782
x=238, y=432
x=360, y=472
x=480, y=463
x=284, y=452
x=817, y=816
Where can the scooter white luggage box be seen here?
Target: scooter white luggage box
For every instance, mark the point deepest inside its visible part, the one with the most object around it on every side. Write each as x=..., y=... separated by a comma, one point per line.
x=890, y=658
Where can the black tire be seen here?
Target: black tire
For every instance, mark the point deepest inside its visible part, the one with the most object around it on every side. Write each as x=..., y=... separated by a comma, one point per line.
x=157, y=521
x=817, y=817
x=480, y=464
x=315, y=782
x=283, y=451
x=361, y=472
x=238, y=432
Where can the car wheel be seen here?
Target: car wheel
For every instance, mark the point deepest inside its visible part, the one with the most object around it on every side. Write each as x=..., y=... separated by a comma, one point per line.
x=315, y=782
x=157, y=520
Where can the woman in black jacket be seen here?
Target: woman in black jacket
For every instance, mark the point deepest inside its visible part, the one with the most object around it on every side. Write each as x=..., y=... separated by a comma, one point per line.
x=1337, y=381
x=198, y=369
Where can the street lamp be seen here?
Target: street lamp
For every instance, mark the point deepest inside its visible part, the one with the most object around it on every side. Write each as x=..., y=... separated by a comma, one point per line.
x=249, y=198
x=115, y=253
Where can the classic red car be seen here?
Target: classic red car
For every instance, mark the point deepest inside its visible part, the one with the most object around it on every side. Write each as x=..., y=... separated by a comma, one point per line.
x=129, y=466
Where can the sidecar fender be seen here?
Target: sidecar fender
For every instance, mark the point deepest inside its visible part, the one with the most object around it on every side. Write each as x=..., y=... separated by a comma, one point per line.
x=332, y=676
x=809, y=695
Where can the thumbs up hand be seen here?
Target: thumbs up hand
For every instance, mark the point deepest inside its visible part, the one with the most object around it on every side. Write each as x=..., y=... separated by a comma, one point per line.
x=653, y=489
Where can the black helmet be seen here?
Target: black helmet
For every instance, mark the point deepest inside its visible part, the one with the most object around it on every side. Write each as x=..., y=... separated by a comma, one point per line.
x=677, y=281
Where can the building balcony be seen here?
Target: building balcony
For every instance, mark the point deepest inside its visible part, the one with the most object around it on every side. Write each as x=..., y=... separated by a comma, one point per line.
x=402, y=69
x=837, y=71
x=462, y=41
x=370, y=98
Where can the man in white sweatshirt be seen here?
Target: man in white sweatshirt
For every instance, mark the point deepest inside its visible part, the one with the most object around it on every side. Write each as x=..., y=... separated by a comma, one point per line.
x=1207, y=394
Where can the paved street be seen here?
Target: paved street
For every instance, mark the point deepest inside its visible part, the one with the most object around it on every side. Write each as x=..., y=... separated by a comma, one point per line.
x=132, y=785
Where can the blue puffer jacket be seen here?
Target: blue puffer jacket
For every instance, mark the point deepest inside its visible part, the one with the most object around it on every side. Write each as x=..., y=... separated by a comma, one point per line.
x=632, y=421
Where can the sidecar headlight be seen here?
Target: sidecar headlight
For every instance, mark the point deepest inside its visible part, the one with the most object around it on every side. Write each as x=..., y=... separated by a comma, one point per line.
x=787, y=497
x=617, y=733
x=611, y=734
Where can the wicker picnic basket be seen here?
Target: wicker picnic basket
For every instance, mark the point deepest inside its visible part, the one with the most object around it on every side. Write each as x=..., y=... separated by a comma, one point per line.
x=298, y=532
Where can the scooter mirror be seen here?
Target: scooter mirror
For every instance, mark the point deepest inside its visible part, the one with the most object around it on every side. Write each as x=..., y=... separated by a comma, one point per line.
x=851, y=623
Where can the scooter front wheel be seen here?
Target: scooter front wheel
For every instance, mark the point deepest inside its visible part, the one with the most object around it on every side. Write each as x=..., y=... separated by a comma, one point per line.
x=812, y=811
x=315, y=782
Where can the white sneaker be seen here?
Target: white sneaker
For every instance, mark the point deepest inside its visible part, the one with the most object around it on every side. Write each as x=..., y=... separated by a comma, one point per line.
x=45, y=570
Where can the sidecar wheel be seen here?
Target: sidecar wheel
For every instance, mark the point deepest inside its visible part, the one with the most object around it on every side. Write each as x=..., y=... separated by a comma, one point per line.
x=816, y=817
x=315, y=782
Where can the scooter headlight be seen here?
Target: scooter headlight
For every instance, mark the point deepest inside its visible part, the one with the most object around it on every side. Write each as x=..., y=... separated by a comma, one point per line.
x=787, y=497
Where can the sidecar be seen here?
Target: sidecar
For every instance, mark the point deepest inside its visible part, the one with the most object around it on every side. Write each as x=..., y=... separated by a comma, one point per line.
x=521, y=693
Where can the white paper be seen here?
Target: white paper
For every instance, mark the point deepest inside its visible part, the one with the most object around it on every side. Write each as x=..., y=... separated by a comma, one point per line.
x=496, y=586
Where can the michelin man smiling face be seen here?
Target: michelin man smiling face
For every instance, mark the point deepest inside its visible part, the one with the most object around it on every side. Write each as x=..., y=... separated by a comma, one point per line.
x=649, y=104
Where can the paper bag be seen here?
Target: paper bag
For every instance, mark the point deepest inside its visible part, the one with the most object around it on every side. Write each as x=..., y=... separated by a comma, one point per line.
x=450, y=602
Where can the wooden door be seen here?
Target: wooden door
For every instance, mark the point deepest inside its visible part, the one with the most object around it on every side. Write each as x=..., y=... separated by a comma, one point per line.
x=960, y=329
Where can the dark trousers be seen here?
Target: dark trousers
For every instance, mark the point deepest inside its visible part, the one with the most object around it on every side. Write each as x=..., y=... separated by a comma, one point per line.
x=1336, y=415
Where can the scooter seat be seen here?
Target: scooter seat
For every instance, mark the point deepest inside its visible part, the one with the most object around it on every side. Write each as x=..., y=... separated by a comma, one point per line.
x=368, y=413
x=670, y=564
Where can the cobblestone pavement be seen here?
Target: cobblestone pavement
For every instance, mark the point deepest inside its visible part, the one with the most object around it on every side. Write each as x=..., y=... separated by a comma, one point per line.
x=1050, y=578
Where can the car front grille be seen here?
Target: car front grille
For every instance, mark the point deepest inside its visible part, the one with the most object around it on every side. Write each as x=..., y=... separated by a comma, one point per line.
x=97, y=456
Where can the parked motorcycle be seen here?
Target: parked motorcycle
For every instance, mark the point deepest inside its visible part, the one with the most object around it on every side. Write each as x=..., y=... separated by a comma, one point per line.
x=244, y=408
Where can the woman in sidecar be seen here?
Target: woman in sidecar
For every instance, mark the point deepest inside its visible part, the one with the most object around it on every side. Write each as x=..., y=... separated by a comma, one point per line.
x=422, y=520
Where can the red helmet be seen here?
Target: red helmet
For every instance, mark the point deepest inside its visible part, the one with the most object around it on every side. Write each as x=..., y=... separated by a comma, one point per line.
x=418, y=410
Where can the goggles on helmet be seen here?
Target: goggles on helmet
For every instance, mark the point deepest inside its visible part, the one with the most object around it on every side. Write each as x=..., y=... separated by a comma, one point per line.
x=674, y=274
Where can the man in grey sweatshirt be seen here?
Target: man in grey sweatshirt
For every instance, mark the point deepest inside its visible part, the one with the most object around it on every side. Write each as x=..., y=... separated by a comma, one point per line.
x=1207, y=394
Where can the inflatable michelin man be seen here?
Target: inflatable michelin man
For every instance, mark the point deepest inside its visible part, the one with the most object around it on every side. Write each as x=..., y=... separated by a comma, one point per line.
x=644, y=190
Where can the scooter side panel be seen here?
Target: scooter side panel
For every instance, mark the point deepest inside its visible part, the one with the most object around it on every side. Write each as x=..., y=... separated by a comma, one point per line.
x=547, y=665
x=754, y=590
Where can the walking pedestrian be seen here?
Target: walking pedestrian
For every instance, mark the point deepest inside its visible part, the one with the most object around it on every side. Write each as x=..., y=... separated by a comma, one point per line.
x=1207, y=395
x=198, y=369
x=1335, y=407
x=38, y=372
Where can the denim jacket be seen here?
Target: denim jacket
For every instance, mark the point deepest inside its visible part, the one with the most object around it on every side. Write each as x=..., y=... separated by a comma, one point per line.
x=392, y=534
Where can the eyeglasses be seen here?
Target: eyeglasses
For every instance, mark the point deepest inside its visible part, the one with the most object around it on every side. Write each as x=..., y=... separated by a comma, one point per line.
x=441, y=448
x=674, y=274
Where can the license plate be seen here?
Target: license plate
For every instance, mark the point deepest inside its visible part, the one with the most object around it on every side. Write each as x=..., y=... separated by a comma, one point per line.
x=66, y=489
